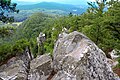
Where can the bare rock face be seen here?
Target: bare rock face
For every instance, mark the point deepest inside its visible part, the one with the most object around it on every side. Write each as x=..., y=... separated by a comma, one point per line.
x=15, y=71
x=76, y=57
x=40, y=68
x=16, y=68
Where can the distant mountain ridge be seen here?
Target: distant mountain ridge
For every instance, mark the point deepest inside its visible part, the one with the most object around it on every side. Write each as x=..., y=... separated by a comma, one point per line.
x=54, y=6
x=24, y=3
x=51, y=8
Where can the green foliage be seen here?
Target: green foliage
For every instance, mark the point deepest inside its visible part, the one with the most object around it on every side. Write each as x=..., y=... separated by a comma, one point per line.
x=8, y=49
x=33, y=47
x=7, y=6
x=6, y=31
x=20, y=46
x=30, y=30
x=33, y=26
x=5, y=50
x=113, y=18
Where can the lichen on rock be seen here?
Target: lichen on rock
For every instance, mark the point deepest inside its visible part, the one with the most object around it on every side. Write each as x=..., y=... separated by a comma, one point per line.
x=77, y=56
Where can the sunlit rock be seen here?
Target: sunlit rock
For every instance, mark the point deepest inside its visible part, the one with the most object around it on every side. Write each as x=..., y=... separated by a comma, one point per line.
x=40, y=68
x=76, y=57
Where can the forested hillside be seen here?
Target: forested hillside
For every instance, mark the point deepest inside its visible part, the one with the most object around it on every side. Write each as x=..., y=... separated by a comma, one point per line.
x=55, y=6
x=102, y=27
x=51, y=8
x=24, y=14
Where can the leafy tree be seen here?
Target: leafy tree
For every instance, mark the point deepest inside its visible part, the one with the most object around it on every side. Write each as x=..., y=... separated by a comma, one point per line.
x=113, y=18
x=6, y=31
x=112, y=23
x=7, y=6
x=104, y=29
x=5, y=50
x=97, y=26
x=19, y=46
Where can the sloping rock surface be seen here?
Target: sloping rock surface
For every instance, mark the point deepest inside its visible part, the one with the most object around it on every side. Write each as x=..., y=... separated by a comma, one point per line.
x=40, y=68
x=16, y=71
x=17, y=67
x=76, y=57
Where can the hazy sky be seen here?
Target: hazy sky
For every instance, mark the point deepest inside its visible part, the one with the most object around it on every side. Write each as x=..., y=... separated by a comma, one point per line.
x=59, y=1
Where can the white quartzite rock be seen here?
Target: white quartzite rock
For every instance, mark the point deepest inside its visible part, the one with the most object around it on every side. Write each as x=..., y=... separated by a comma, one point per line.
x=40, y=68
x=16, y=71
x=76, y=57
x=16, y=68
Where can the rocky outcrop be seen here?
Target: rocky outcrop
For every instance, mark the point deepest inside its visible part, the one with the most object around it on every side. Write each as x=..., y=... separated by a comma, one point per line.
x=16, y=71
x=17, y=68
x=40, y=68
x=113, y=54
x=76, y=57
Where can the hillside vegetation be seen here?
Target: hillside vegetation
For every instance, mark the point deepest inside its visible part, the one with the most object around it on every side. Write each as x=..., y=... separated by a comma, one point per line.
x=54, y=6
x=51, y=8
x=101, y=27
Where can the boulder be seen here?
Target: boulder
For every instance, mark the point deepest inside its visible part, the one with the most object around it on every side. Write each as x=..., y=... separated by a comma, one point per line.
x=15, y=71
x=76, y=57
x=40, y=68
x=113, y=54
x=26, y=56
x=16, y=68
